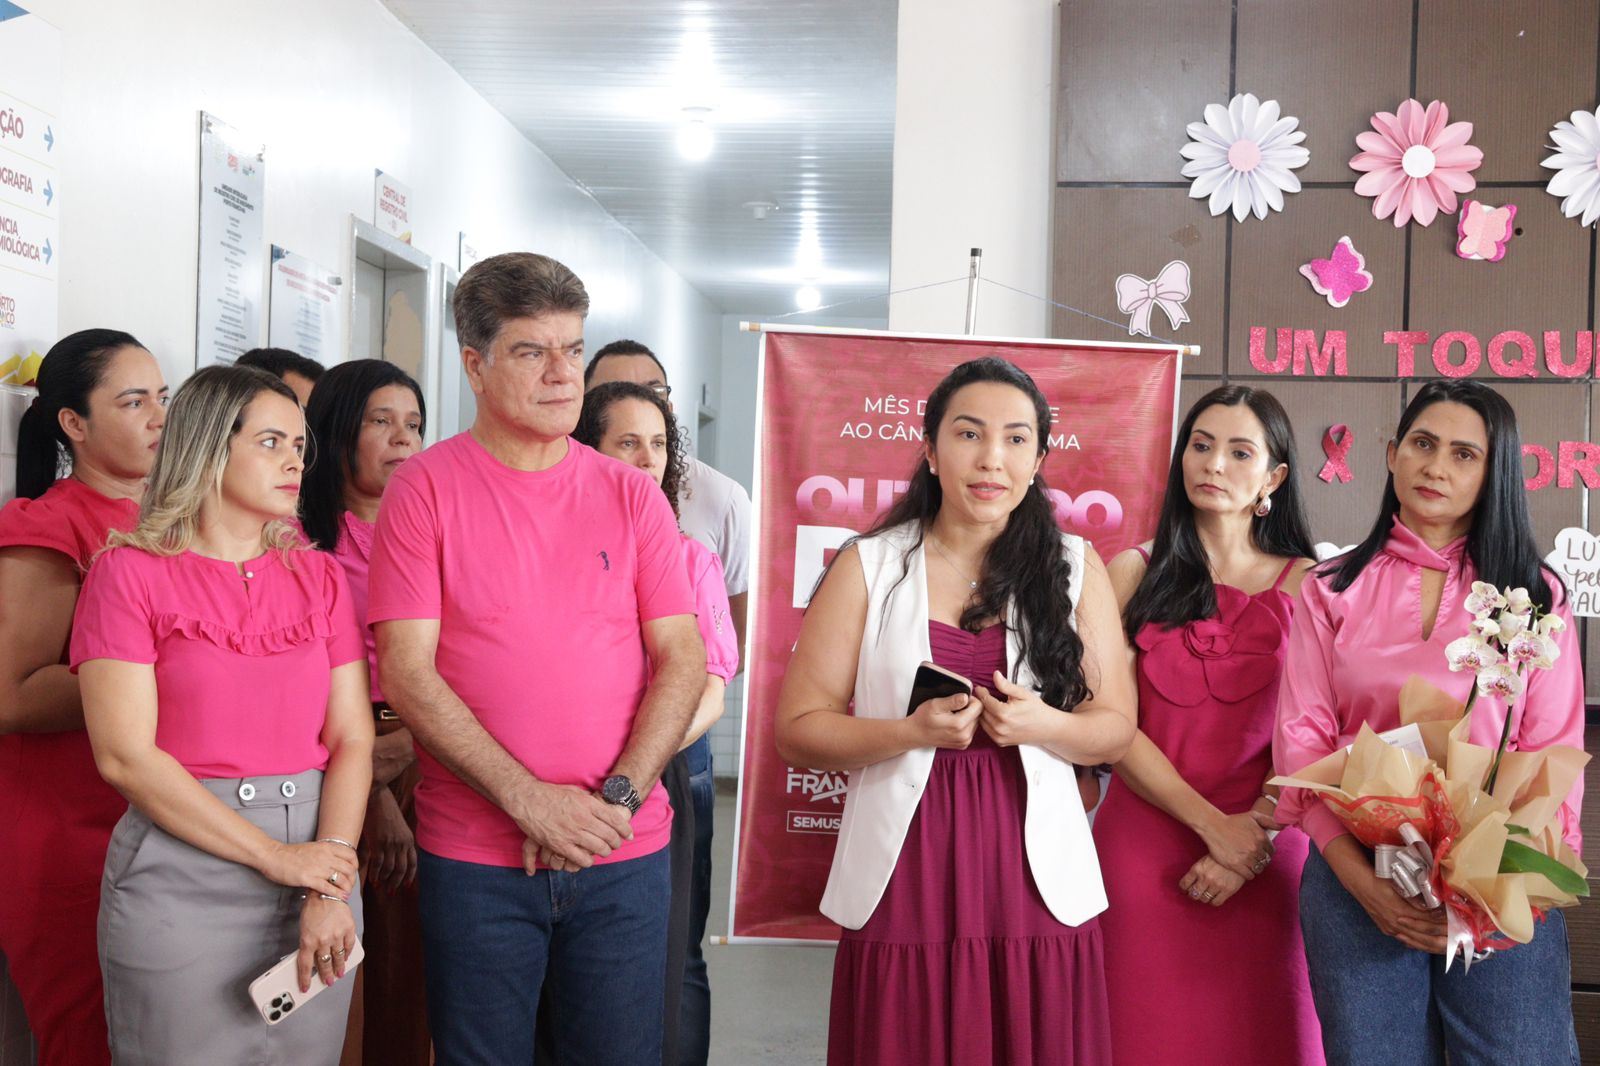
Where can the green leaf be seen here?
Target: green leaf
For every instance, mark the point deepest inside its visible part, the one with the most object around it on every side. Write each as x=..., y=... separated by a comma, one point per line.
x=1521, y=859
x=1517, y=830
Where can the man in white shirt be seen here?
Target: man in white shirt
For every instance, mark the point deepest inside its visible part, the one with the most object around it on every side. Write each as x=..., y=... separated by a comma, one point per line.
x=714, y=509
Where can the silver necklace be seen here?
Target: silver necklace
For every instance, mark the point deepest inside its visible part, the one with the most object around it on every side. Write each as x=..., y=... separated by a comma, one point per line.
x=951, y=564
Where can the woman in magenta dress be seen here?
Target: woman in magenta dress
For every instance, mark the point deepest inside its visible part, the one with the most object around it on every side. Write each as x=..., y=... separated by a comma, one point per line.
x=964, y=872
x=1202, y=941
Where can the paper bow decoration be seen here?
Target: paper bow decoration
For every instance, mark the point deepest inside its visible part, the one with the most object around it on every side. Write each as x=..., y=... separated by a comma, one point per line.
x=1341, y=275
x=1168, y=290
x=1483, y=231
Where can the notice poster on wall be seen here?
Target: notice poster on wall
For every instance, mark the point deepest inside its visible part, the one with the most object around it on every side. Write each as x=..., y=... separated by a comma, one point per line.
x=304, y=314
x=233, y=178
x=30, y=190
x=391, y=206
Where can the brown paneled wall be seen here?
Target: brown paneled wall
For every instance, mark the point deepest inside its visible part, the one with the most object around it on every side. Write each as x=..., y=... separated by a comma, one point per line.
x=1134, y=73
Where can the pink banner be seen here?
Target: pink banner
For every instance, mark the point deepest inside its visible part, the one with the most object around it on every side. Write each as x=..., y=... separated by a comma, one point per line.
x=840, y=433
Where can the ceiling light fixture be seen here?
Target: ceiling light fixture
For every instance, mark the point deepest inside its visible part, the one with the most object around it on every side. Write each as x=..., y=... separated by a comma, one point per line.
x=695, y=139
x=807, y=298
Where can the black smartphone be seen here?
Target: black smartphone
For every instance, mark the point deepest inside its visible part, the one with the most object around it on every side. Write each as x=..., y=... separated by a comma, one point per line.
x=935, y=682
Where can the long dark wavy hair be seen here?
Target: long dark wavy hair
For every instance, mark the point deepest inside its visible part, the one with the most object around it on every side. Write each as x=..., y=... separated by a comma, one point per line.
x=594, y=420
x=71, y=370
x=1500, y=543
x=1178, y=587
x=1025, y=565
x=333, y=419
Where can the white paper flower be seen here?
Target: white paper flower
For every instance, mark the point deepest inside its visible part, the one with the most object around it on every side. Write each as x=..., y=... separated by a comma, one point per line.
x=1577, y=165
x=1471, y=654
x=1244, y=155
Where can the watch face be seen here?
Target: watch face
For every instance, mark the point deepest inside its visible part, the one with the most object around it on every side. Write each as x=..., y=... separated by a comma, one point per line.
x=617, y=789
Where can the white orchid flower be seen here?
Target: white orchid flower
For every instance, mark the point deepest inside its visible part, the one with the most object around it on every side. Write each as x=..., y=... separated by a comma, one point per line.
x=1486, y=628
x=1533, y=650
x=1499, y=681
x=1518, y=601
x=1472, y=654
x=1510, y=626
x=1485, y=599
x=1551, y=624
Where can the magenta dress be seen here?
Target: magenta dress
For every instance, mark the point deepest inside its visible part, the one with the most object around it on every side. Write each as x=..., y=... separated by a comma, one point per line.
x=961, y=962
x=1226, y=985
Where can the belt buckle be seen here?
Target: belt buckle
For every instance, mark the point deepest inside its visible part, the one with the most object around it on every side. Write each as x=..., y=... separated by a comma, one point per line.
x=386, y=714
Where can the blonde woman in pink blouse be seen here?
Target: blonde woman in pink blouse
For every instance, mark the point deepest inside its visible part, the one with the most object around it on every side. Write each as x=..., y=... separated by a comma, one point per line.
x=224, y=682
x=1454, y=512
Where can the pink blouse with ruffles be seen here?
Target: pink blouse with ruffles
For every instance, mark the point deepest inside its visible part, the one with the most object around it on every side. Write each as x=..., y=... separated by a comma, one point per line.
x=242, y=661
x=1350, y=651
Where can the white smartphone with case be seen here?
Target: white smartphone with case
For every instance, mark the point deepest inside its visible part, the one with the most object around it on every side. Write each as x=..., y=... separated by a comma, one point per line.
x=277, y=994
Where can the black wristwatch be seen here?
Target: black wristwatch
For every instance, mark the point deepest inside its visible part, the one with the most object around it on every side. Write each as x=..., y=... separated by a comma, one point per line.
x=619, y=790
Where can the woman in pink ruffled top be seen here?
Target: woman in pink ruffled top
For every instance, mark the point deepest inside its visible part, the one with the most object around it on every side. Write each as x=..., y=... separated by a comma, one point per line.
x=1202, y=906
x=1454, y=512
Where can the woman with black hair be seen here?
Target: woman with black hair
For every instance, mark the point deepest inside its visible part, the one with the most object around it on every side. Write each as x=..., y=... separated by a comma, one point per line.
x=964, y=873
x=1454, y=512
x=98, y=417
x=366, y=417
x=1183, y=834
x=634, y=424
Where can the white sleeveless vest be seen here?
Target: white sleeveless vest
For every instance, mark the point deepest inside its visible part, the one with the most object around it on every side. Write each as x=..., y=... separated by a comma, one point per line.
x=883, y=797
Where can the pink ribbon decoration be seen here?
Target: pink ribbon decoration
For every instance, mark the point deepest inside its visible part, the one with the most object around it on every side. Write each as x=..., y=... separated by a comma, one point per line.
x=1168, y=290
x=1336, y=444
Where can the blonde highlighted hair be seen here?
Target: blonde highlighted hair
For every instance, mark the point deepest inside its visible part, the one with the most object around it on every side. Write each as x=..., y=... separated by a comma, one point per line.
x=205, y=415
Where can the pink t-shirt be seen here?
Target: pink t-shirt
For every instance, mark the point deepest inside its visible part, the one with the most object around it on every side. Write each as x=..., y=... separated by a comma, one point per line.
x=354, y=552
x=242, y=661
x=711, y=608
x=540, y=581
x=1350, y=651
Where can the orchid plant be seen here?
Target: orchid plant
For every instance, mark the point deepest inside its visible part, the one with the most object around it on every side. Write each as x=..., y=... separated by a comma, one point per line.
x=1510, y=637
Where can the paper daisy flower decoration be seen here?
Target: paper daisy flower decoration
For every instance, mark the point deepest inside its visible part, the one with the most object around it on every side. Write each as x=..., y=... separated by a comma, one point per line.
x=1577, y=179
x=1244, y=155
x=1415, y=162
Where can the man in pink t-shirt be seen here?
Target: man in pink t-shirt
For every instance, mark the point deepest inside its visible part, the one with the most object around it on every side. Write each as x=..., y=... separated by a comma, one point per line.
x=536, y=633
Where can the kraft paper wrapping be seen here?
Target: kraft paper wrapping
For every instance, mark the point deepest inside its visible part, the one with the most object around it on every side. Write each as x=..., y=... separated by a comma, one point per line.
x=1373, y=786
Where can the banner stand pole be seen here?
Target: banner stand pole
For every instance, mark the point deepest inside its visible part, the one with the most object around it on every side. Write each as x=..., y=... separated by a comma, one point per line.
x=974, y=267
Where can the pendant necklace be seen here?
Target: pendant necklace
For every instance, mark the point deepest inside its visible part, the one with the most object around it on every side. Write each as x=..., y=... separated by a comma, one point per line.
x=948, y=562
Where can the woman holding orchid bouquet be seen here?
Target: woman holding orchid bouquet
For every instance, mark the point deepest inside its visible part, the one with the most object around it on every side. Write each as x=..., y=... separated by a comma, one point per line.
x=1454, y=513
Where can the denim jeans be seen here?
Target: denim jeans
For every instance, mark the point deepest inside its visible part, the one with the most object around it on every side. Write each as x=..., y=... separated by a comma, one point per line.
x=1381, y=1002
x=594, y=941
x=694, y=1024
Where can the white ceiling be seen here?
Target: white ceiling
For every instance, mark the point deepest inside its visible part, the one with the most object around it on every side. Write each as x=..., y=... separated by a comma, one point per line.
x=802, y=98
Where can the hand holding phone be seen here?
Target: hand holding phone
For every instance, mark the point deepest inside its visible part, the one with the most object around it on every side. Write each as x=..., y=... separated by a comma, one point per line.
x=941, y=708
x=277, y=994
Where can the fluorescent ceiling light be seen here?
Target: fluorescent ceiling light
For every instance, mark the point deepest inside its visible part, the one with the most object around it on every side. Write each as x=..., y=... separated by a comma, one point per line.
x=807, y=298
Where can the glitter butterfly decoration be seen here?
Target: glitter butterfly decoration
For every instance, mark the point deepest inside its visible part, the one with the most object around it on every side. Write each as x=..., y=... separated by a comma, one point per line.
x=1341, y=275
x=1483, y=231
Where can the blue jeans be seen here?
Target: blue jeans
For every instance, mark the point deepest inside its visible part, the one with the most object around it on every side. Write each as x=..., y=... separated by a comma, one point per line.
x=1381, y=1002
x=594, y=941
x=694, y=1025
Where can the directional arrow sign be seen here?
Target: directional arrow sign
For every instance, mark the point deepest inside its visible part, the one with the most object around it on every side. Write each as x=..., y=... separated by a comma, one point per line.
x=49, y=138
x=49, y=193
x=47, y=252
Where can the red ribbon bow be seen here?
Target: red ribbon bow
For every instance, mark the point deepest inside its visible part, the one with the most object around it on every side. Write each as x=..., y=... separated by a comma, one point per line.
x=1336, y=444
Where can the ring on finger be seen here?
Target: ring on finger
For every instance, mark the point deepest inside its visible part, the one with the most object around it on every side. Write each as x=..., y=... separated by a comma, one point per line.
x=325, y=958
x=1194, y=893
x=333, y=878
x=341, y=952
x=1208, y=897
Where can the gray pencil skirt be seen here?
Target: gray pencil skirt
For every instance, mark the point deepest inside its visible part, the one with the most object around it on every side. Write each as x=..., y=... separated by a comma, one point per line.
x=182, y=934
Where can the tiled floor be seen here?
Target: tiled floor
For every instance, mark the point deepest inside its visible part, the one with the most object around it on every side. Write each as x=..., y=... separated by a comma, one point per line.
x=768, y=1004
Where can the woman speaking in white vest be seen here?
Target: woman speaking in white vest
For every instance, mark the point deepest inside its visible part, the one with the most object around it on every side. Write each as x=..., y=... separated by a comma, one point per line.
x=964, y=874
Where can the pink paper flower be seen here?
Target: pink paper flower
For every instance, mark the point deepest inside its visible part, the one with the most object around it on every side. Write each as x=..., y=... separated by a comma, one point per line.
x=1341, y=275
x=1415, y=162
